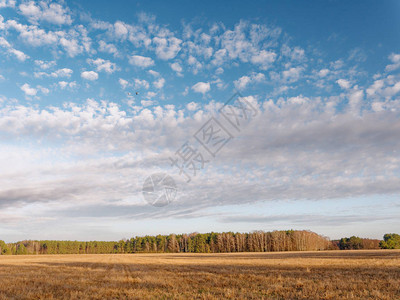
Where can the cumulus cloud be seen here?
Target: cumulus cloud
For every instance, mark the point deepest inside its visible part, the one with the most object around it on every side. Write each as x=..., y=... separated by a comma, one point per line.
x=177, y=68
x=124, y=83
x=44, y=65
x=154, y=73
x=65, y=84
x=64, y=72
x=323, y=72
x=167, y=48
x=120, y=30
x=146, y=103
x=141, y=61
x=7, y=3
x=395, y=59
x=192, y=106
x=246, y=42
x=108, y=48
x=201, y=87
x=264, y=59
x=28, y=90
x=292, y=75
x=141, y=84
x=295, y=53
x=42, y=89
x=33, y=35
x=21, y=56
x=90, y=75
x=103, y=65
x=344, y=84
x=71, y=46
x=243, y=81
x=383, y=90
x=52, y=13
x=159, y=83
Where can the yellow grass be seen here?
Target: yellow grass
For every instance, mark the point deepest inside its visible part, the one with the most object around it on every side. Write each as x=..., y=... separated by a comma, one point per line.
x=290, y=275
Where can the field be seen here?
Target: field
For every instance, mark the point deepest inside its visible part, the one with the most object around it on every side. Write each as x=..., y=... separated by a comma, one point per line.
x=283, y=275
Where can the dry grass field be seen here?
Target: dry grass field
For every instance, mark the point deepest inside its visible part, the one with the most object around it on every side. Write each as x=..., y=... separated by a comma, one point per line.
x=290, y=275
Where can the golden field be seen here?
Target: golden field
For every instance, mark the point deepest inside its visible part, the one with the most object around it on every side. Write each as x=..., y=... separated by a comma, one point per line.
x=369, y=274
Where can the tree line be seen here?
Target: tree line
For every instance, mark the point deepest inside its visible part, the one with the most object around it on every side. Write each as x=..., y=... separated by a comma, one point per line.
x=258, y=241
x=357, y=243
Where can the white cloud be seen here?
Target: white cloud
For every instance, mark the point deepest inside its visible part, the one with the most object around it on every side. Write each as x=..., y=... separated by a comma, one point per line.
x=355, y=100
x=120, y=30
x=52, y=13
x=90, y=75
x=357, y=54
x=103, y=65
x=64, y=72
x=124, y=83
x=264, y=59
x=43, y=89
x=192, y=106
x=28, y=90
x=147, y=102
x=177, y=68
x=201, y=87
x=141, y=61
x=65, y=84
x=295, y=54
x=21, y=56
x=395, y=59
x=71, y=46
x=141, y=84
x=323, y=72
x=7, y=3
x=30, y=10
x=44, y=65
x=343, y=83
x=384, y=89
x=33, y=35
x=240, y=45
x=242, y=82
x=154, y=73
x=292, y=75
x=195, y=64
x=167, y=48
x=219, y=57
x=159, y=83
x=108, y=48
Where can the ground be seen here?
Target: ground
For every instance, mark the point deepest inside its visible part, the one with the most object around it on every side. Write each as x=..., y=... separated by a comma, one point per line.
x=284, y=275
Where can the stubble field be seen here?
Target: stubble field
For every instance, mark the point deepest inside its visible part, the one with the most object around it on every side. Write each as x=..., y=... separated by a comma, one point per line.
x=288, y=275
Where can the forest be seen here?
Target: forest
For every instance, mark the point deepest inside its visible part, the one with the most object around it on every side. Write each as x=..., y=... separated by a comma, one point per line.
x=257, y=241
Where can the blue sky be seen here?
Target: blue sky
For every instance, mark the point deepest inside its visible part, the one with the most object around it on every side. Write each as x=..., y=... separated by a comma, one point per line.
x=97, y=96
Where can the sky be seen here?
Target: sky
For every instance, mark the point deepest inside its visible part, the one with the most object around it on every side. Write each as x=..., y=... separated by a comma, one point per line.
x=266, y=115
